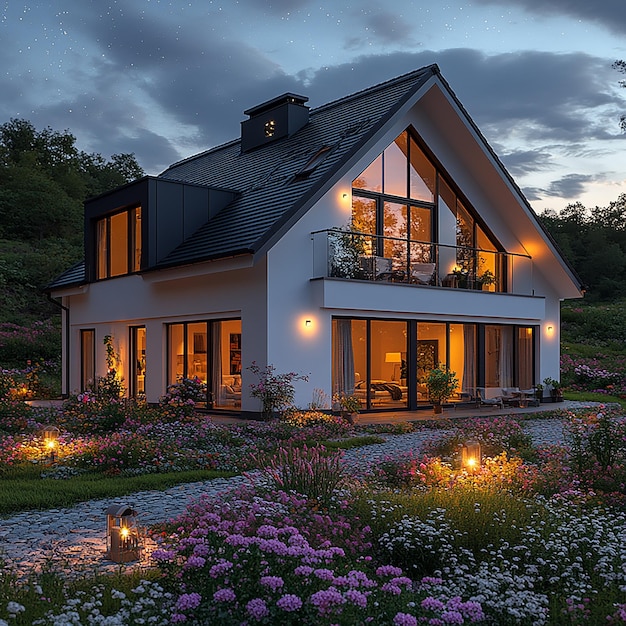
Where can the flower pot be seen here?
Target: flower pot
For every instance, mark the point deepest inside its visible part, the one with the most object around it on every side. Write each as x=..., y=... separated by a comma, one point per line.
x=437, y=408
x=351, y=418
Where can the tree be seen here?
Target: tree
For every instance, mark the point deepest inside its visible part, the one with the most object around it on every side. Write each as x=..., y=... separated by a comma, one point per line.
x=44, y=180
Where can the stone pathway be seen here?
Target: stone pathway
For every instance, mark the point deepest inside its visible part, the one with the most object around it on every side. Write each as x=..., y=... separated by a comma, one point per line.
x=73, y=539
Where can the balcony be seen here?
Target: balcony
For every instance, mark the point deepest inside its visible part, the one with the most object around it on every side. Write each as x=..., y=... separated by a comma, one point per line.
x=358, y=256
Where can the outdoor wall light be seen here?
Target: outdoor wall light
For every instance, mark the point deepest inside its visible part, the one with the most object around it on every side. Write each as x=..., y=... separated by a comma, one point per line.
x=308, y=323
x=124, y=540
x=470, y=456
x=50, y=435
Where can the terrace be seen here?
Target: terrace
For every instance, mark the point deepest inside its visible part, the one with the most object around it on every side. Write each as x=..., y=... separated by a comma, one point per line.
x=360, y=256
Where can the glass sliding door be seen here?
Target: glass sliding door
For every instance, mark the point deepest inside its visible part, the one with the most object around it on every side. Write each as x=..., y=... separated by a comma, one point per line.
x=498, y=356
x=388, y=354
x=211, y=352
x=431, y=351
x=463, y=358
x=87, y=358
x=137, y=366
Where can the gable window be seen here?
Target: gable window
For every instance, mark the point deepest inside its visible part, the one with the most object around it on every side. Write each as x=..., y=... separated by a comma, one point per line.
x=415, y=216
x=118, y=246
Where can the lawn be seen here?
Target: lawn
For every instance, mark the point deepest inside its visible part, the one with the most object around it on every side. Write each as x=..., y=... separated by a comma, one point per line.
x=528, y=536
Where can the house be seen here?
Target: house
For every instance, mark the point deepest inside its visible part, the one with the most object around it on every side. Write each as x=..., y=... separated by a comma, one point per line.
x=360, y=243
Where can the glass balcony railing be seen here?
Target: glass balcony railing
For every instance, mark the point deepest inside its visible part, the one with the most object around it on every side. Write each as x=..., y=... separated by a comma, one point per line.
x=359, y=256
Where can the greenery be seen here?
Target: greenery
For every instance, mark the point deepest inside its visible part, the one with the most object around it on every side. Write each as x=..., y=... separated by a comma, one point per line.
x=25, y=490
x=276, y=391
x=44, y=180
x=441, y=383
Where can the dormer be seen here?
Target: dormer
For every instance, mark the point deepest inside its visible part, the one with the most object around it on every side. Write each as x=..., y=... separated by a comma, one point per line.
x=272, y=120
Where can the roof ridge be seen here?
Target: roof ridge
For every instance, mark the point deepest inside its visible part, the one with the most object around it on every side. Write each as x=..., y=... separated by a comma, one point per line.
x=221, y=146
x=433, y=68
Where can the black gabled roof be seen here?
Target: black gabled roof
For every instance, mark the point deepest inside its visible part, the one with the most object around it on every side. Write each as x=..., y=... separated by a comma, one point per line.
x=271, y=194
x=75, y=275
x=271, y=190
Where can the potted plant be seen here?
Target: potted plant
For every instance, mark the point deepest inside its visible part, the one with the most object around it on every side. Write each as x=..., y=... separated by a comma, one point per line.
x=539, y=392
x=556, y=389
x=486, y=278
x=441, y=384
x=349, y=406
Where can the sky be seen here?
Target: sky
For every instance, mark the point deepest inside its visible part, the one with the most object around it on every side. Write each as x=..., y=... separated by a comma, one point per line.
x=168, y=79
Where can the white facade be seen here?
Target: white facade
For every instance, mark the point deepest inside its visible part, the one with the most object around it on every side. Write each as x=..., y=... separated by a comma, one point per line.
x=286, y=307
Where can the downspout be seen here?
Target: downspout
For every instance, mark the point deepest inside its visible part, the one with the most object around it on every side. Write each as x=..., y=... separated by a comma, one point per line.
x=67, y=343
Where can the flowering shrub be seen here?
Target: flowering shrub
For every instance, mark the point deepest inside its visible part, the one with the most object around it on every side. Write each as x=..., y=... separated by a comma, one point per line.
x=255, y=559
x=312, y=472
x=179, y=402
x=276, y=391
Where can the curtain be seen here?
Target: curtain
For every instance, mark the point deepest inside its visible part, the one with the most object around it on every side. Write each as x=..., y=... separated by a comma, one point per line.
x=506, y=356
x=468, y=383
x=343, y=358
x=216, y=363
x=525, y=358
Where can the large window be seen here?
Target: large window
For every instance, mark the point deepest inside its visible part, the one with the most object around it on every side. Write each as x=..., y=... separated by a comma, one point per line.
x=118, y=247
x=407, y=204
x=210, y=351
x=386, y=363
x=137, y=367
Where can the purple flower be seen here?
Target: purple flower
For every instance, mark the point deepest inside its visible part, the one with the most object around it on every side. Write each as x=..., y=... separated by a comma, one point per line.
x=324, y=574
x=195, y=561
x=224, y=595
x=273, y=582
x=432, y=604
x=388, y=570
x=358, y=598
x=326, y=600
x=257, y=609
x=188, y=601
x=404, y=619
x=289, y=603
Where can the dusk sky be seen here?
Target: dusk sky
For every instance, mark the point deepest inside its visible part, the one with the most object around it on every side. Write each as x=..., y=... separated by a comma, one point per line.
x=168, y=79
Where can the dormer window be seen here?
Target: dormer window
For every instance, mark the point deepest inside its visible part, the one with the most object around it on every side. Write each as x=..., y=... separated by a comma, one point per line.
x=118, y=243
x=270, y=128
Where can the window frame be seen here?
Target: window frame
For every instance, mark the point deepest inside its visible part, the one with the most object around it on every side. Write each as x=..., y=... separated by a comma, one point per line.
x=134, y=243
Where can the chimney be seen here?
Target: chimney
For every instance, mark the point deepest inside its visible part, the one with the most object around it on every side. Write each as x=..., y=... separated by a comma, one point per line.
x=272, y=120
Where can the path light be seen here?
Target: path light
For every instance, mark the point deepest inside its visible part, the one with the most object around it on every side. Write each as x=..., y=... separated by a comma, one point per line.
x=470, y=456
x=124, y=541
x=50, y=436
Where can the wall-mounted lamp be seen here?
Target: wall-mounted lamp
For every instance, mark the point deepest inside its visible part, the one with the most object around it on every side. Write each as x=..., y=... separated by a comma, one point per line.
x=344, y=195
x=550, y=329
x=308, y=323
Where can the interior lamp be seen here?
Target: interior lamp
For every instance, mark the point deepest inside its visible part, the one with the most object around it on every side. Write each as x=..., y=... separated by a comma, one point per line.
x=470, y=456
x=396, y=359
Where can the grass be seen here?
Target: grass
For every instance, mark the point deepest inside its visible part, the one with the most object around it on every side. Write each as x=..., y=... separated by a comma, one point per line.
x=590, y=396
x=23, y=489
x=352, y=442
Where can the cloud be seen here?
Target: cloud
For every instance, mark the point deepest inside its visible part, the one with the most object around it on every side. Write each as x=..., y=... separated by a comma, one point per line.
x=569, y=187
x=608, y=13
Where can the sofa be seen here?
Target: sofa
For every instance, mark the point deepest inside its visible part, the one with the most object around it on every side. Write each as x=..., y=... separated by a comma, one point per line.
x=230, y=391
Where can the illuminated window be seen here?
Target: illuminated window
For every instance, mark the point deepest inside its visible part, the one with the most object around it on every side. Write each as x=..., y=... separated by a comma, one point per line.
x=118, y=248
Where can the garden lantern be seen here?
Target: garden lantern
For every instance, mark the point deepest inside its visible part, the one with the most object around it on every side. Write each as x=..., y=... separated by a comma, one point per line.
x=470, y=456
x=124, y=541
x=50, y=436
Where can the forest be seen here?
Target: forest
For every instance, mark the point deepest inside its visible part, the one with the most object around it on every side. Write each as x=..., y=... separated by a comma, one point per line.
x=45, y=178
